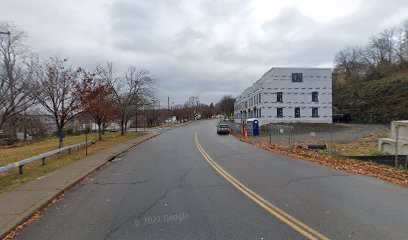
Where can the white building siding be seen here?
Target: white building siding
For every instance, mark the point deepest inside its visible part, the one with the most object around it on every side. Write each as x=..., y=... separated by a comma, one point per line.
x=278, y=81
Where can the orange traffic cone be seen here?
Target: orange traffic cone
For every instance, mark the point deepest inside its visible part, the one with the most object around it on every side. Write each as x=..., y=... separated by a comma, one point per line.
x=246, y=134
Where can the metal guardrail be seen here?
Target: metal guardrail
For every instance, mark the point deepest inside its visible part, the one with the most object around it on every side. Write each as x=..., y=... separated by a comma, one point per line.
x=20, y=164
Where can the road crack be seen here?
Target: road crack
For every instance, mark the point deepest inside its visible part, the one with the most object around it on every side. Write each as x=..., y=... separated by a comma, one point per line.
x=311, y=178
x=120, y=183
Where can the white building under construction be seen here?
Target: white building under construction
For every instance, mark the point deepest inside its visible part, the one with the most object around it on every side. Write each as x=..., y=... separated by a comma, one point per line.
x=288, y=95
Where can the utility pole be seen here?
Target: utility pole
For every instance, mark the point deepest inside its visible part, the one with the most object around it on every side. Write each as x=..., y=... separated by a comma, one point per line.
x=168, y=108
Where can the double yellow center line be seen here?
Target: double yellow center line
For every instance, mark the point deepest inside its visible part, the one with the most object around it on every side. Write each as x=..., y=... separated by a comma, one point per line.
x=297, y=225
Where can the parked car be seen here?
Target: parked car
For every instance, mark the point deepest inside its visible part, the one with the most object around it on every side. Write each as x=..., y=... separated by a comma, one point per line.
x=223, y=128
x=339, y=118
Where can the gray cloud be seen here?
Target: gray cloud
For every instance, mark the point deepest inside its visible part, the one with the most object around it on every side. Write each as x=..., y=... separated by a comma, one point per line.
x=202, y=48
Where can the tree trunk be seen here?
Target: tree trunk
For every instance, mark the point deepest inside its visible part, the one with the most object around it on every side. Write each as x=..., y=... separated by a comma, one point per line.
x=136, y=121
x=103, y=128
x=25, y=126
x=61, y=139
x=100, y=131
x=122, y=126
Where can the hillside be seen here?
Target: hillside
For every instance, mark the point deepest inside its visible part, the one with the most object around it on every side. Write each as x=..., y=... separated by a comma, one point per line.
x=374, y=101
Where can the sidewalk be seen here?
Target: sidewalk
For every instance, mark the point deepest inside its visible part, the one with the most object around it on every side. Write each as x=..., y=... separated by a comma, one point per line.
x=18, y=204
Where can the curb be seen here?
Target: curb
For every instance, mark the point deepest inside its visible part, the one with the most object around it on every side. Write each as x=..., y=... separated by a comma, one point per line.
x=15, y=226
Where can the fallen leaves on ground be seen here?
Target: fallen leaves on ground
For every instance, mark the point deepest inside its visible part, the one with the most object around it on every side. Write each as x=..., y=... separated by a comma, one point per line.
x=383, y=172
x=361, y=147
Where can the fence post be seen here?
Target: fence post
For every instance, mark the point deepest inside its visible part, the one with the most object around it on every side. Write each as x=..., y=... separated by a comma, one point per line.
x=291, y=130
x=288, y=132
x=396, y=146
x=331, y=138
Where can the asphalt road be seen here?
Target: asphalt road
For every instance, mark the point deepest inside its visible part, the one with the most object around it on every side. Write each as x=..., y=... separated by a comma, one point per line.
x=178, y=187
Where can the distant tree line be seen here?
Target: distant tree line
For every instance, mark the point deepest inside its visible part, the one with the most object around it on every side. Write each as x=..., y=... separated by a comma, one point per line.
x=63, y=92
x=193, y=108
x=371, y=82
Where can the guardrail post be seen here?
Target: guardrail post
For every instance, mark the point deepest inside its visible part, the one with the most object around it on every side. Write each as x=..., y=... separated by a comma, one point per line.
x=69, y=150
x=43, y=161
x=20, y=169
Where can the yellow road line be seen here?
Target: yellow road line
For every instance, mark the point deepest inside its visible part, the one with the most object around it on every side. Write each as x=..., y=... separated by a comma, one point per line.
x=297, y=225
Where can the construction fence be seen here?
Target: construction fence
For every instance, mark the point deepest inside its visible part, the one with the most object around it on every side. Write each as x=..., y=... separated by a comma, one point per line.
x=288, y=135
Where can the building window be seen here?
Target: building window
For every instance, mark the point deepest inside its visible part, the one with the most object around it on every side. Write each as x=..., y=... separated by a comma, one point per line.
x=260, y=113
x=315, y=112
x=259, y=97
x=297, y=77
x=297, y=112
x=315, y=96
x=279, y=112
x=279, y=97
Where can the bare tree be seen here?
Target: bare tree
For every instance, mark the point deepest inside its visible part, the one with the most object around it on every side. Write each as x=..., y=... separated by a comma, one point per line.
x=349, y=61
x=140, y=84
x=17, y=66
x=192, y=105
x=380, y=53
x=402, y=44
x=57, y=92
x=130, y=91
x=119, y=91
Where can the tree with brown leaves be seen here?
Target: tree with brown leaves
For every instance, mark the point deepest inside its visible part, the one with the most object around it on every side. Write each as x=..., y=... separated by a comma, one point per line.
x=97, y=100
x=57, y=91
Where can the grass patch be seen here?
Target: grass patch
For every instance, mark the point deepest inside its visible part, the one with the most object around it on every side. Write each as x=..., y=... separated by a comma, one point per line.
x=366, y=146
x=34, y=170
x=374, y=101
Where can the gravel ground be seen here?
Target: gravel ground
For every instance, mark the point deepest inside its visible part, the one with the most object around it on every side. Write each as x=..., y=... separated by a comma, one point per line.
x=342, y=133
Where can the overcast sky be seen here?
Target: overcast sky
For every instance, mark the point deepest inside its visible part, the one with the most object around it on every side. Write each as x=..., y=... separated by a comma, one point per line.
x=201, y=48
